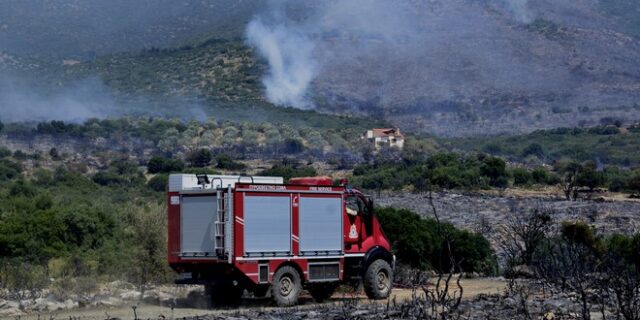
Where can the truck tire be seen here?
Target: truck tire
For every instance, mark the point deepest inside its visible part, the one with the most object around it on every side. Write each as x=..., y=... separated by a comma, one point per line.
x=378, y=280
x=322, y=291
x=286, y=286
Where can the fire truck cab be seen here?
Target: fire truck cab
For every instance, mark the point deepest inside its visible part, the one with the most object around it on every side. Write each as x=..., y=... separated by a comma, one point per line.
x=237, y=233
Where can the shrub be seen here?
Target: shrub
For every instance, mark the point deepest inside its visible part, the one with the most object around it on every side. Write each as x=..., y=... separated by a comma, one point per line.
x=411, y=241
x=19, y=276
x=492, y=148
x=20, y=155
x=589, y=177
x=22, y=188
x=224, y=161
x=625, y=248
x=4, y=152
x=120, y=172
x=444, y=170
x=109, y=178
x=9, y=169
x=293, y=146
x=159, y=182
x=496, y=170
x=579, y=233
x=163, y=165
x=288, y=171
x=155, y=164
x=534, y=149
x=634, y=182
x=200, y=158
x=417, y=243
x=521, y=176
x=53, y=153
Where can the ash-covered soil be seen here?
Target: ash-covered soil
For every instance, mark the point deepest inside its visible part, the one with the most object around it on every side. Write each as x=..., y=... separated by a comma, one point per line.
x=118, y=299
x=483, y=298
x=488, y=213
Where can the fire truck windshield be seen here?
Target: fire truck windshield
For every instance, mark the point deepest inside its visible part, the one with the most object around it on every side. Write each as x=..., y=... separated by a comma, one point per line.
x=356, y=205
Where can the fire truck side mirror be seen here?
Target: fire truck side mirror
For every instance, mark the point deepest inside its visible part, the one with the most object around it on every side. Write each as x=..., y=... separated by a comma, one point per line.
x=369, y=204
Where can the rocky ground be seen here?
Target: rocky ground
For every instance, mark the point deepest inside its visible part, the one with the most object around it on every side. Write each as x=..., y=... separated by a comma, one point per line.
x=114, y=295
x=487, y=212
x=483, y=298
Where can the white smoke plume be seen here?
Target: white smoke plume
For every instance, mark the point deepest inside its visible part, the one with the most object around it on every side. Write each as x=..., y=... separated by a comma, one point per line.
x=520, y=10
x=291, y=65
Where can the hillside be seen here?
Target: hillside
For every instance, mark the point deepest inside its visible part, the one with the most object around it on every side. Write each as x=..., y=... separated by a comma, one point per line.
x=450, y=68
x=87, y=29
x=217, y=78
x=605, y=145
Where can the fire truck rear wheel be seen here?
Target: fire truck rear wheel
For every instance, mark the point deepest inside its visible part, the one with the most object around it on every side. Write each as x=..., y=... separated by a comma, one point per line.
x=286, y=286
x=378, y=279
x=322, y=291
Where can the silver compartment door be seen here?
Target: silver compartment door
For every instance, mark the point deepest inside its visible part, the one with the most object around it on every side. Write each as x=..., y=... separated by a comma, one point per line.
x=197, y=216
x=320, y=224
x=267, y=224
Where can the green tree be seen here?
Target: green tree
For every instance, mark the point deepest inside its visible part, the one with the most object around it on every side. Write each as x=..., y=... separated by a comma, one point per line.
x=200, y=158
x=590, y=177
x=534, y=149
x=496, y=170
x=156, y=164
x=569, y=170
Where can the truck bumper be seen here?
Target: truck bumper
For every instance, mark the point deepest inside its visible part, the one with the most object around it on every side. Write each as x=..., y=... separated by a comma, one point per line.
x=188, y=278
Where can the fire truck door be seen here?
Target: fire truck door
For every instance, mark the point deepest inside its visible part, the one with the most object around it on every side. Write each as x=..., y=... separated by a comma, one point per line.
x=353, y=220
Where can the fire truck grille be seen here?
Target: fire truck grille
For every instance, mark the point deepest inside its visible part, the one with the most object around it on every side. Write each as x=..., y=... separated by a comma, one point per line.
x=324, y=271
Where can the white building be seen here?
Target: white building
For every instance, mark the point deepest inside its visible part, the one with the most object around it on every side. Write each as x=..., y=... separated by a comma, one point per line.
x=386, y=137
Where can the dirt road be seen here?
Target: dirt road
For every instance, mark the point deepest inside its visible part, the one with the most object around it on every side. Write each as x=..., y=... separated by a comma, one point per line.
x=472, y=288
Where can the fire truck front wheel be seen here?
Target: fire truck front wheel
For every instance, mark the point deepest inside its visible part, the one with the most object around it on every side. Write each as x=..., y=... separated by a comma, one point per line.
x=286, y=286
x=377, y=280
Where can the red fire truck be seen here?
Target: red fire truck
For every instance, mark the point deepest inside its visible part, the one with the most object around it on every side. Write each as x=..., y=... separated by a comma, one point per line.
x=237, y=233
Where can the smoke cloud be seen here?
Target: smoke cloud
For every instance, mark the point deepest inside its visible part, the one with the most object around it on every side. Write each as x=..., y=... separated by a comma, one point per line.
x=520, y=10
x=23, y=99
x=76, y=102
x=289, y=54
x=383, y=55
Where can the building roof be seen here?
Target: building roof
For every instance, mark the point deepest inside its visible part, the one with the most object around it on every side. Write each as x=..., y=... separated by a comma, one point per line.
x=387, y=132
